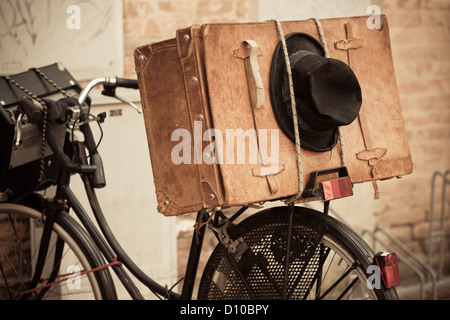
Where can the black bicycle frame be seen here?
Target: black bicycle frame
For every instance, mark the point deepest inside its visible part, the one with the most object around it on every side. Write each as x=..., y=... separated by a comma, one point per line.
x=104, y=240
x=109, y=246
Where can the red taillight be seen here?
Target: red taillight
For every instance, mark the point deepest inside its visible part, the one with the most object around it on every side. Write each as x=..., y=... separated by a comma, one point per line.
x=388, y=264
x=336, y=188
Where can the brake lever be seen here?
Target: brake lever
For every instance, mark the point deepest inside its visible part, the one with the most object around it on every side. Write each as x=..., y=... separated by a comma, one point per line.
x=110, y=91
x=131, y=104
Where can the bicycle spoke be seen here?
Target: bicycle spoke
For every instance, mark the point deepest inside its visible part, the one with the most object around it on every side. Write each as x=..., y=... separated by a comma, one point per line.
x=326, y=259
x=318, y=276
x=350, y=286
x=19, y=254
x=17, y=266
x=307, y=265
x=23, y=269
x=5, y=280
x=320, y=279
x=18, y=274
x=338, y=281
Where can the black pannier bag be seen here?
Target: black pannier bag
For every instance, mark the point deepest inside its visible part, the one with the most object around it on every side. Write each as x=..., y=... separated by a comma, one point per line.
x=20, y=140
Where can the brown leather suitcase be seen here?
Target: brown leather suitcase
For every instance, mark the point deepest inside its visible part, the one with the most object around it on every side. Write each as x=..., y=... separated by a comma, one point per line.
x=214, y=136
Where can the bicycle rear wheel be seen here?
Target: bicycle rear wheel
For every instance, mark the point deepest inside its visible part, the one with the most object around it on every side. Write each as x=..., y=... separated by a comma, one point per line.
x=327, y=260
x=21, y=227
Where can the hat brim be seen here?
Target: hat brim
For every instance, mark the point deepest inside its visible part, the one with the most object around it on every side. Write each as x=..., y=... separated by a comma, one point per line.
x=295, y=42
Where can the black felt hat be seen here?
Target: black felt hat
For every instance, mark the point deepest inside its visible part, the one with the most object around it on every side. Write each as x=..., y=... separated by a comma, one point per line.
x=327, y=92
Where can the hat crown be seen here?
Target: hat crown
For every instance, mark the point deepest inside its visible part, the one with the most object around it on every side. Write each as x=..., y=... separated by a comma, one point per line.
x=332, y=88
x=327, y=92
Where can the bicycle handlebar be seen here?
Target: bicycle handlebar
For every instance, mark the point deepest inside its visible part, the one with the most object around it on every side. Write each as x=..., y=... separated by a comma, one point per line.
x=34, y=112
x=32, y=109
x=127, y=83
x=109, y=85
x=107, y=82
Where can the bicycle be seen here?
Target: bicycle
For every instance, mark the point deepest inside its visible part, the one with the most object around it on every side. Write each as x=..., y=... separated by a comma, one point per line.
x=286, y=252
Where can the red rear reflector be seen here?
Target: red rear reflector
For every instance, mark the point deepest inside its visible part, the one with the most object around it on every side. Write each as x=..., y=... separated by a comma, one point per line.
x=388, y=264
x=336, y=188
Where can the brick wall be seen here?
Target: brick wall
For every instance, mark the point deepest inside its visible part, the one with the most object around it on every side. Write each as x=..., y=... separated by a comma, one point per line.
x=148, y=21
x=420, y=41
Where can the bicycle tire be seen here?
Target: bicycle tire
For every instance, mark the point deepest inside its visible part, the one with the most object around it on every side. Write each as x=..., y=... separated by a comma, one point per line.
x=18, y=242
x=318, y=241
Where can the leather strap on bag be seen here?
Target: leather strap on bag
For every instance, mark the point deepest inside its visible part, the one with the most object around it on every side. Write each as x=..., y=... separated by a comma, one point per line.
x=249, y=52
x=187, y=51
x=371, y=154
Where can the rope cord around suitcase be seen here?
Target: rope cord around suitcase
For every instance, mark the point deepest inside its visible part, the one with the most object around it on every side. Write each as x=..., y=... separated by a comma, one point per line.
x=323, y=39
x=294, y=105
x=294, y=114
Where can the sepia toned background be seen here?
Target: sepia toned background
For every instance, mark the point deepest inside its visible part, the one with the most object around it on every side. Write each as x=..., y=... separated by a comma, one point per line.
x=104, y=46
